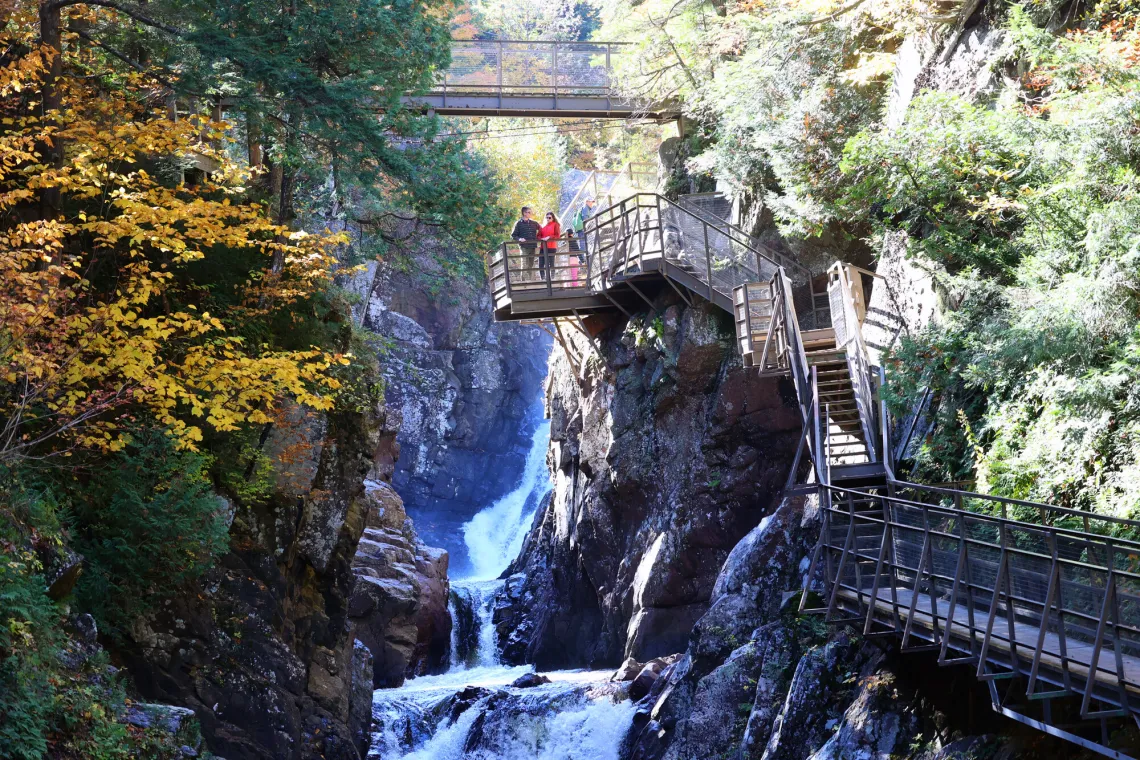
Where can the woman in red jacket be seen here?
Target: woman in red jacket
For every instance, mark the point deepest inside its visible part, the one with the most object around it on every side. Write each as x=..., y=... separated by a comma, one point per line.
x=549, y=234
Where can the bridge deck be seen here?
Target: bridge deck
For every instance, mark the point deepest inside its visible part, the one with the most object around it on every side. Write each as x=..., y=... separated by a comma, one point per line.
x=537, y=79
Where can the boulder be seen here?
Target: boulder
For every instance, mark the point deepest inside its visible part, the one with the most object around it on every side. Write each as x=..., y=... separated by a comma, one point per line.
x=644, y=680
x=628, y=670
x=529, y=680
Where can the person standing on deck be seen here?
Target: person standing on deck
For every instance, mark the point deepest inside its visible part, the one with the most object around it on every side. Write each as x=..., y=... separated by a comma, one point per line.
x=579, y=222
x=526, y=233
x=549, y=234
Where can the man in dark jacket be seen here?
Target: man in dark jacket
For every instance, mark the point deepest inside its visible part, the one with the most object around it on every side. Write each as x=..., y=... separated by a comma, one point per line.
x=526, y=234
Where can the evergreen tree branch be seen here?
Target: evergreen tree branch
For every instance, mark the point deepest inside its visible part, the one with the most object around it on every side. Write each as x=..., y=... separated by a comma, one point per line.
x=141, y=18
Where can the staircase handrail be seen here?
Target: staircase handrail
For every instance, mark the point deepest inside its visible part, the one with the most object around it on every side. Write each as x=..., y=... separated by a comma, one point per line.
x=858, y=360
x=885, y=427
x=769, y=253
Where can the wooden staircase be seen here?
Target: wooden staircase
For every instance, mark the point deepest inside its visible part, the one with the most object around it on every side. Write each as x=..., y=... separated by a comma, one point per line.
x=847, y=442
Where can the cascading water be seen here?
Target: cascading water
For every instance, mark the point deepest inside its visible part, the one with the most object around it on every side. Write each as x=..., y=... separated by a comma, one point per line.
x=471, y=712
x=495, y=534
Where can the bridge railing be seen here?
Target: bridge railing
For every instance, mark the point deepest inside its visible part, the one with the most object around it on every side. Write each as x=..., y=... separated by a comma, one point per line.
x=516, y=67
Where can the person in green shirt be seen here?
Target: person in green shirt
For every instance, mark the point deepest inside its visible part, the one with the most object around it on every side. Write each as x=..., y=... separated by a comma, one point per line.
x=578, y=222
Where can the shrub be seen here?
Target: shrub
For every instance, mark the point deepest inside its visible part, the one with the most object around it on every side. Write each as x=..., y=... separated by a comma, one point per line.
x=147, y=522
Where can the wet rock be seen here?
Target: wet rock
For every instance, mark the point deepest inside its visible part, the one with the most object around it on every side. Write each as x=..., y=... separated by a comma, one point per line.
x=464, y=700
x=628, y=670
x=360, y=698
x=644, y=680
x=399, y=603
x=465, y=621
x=529, y=680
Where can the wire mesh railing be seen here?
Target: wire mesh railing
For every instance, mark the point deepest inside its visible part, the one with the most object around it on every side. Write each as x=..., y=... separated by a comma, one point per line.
x=637, y=233
x=516, y=67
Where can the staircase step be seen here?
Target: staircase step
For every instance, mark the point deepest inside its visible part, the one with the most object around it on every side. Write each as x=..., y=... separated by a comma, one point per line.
x=831, y=352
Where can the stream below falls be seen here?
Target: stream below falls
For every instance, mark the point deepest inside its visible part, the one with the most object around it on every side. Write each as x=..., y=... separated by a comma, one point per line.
x=472, y=712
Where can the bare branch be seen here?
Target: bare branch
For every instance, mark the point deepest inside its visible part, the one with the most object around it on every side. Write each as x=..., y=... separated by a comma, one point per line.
x=831, y=17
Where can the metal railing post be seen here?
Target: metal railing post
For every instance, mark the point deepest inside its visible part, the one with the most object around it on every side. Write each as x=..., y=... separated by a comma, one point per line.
x=609, y=77
x=708, y=260
x=507, y=269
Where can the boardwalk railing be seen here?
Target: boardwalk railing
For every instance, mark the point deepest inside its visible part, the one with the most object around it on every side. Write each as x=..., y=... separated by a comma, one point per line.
x=635, y=234
x=640, y=235
x=1052, y=598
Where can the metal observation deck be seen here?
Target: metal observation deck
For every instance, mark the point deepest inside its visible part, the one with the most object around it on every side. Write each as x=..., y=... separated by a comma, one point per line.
x=1042, y=603
x=537, y=79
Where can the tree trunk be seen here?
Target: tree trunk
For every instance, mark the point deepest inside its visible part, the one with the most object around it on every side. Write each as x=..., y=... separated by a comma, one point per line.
x=253, y=140
x=51, y=35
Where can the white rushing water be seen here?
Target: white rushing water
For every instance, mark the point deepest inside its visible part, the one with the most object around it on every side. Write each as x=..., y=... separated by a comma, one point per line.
x=495, y=534
x=472, y=712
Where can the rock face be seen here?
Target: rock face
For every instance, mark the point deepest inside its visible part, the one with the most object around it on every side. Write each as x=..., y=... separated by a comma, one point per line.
x=399, y=603
x=760, y=682
x=467, y=389
x=664, y=453
x=262, y=651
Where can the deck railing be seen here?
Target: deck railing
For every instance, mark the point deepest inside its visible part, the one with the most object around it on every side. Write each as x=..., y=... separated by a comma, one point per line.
x=516, y=268
x=627, y=235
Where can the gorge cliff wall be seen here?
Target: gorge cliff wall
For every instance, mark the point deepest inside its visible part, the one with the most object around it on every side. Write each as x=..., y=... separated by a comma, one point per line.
x=466, y=388
x=664, y=452
x=262, y=649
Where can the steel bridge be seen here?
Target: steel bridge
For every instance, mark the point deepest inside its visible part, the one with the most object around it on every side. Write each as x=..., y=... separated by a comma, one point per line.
x=537, y=79
x=1041, y=602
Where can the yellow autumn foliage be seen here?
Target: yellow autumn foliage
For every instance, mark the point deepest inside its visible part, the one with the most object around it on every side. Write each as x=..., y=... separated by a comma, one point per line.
x=98, y=326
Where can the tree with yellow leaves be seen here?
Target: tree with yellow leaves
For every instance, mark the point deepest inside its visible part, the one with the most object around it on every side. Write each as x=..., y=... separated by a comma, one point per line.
x=100, y=322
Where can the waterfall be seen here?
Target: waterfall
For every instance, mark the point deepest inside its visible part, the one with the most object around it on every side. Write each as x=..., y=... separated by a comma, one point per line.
x=495, y=535
x=472, y=712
